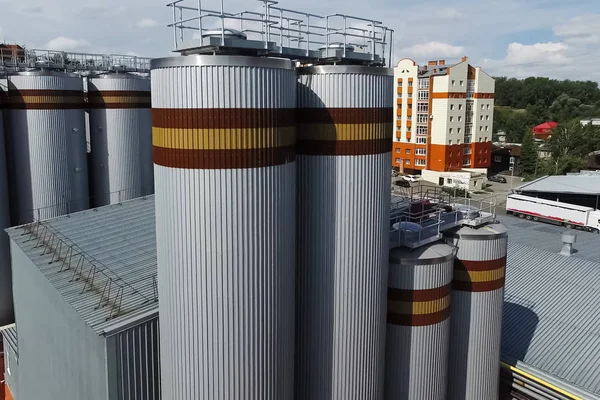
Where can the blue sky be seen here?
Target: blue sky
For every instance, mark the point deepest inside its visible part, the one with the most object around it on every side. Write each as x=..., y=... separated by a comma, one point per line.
x=556, y=38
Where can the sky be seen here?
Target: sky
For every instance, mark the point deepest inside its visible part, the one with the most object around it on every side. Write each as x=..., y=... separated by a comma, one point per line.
x=520, y=38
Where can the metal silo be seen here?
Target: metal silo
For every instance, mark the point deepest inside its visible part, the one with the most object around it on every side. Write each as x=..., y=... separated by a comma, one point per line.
x=6, y=299
x=476, y=306
x=418, y=324
x=46, y=135
x=120, y=137
x=344, y=158
x=225, y=176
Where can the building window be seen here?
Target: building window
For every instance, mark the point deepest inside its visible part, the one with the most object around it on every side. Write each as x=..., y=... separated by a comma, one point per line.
x=398, y=161
x=420, y=152
x=468, y=139
x=421, y=140
x=450, y=143
x=450, y=130
x=421, y=118
x=460, y=106
x=397, y=150
x=423, y=95
x=481, y=117
x=424, y=83
x=419, y=162
x=485, y=139
x=409, y=96
x=466, y=160
x=462, y=83
x=457, y=141
x=407, y=151
x=453, y=82
x=451, y=107
x=482, y=106
x=480, y=139
x=422, y=107
x=487, y=128
x=449, y=181
x=421, y=130
x=497, y=158
x=459, y=130
x=459, y=118
x=488, y=106
x=481, y=129
x=451, y=119
x=410, y=83
x=406, y=161
x=487, y=117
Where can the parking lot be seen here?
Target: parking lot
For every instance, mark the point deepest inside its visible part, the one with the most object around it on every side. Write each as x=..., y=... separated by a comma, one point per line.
x=500, y=190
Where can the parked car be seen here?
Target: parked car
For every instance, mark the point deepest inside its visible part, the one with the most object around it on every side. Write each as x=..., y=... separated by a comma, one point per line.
x=411, y=178
x=497, y=178
x=402, y=182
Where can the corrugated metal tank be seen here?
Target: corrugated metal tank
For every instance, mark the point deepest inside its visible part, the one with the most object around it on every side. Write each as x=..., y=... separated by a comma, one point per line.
x=418, y=324
x=225, y=175
x=476, y=307
x=344, y=144
x=47, y=149
x=6, y=300
x=120, y=137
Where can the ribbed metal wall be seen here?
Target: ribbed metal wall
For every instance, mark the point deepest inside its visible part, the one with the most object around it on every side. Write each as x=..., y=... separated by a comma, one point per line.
x=46, y=133
x=6, y=299
x=120, y=137
x=418, y=324
x=477, y=297
x=225, y=177
x=344, y=144
x=138, y=362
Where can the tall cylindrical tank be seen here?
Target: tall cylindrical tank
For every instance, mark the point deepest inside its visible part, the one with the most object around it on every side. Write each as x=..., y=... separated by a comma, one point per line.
x=6, y=299
x=224, y=138
x=418, y=324
x=476, y=307
x=120, y=137
x=47, y=148
x=344, y=158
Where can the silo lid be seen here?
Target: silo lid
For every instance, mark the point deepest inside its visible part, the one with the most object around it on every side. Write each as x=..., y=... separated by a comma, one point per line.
x=337, y=45
x=227, y=32
x=432, y=254
x=484, y=232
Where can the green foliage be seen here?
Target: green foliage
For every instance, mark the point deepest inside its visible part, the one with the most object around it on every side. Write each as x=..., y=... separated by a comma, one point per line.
x=529, y=155
x=456, y=192
x=573, y=139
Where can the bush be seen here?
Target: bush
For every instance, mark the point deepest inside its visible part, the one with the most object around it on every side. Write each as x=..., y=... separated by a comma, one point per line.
x=456, y=192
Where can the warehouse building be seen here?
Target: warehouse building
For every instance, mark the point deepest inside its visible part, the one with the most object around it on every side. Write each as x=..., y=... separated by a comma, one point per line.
x=86, y=306
x=550, y=342
x=582, y=189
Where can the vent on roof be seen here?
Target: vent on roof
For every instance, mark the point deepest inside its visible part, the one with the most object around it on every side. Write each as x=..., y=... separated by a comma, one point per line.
x=568, y=238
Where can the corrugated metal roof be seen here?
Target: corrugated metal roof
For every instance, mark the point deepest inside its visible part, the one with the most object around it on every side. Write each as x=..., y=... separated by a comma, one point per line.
x=551, y=317
x=120, y=241
x=548, y=237
x=579, y=184
x=10, y=337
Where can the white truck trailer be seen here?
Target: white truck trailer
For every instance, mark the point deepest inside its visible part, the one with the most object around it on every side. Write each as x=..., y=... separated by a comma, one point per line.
x=554, y=212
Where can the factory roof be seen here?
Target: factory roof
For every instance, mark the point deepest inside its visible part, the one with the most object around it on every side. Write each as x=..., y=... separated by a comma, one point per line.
x=548, y=237
x=551, y=318
x=112, y=256
x=579, y=184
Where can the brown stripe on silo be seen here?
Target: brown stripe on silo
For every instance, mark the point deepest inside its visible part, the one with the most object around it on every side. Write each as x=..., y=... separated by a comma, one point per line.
x=216, y=139
x=222, y=118
x=34, y=99
x=344, y=131
x=119, y=99
x=479, y=276
x=427, y=306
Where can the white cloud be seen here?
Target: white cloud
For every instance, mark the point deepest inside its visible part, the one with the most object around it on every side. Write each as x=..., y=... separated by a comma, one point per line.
x=66, y=44
x=581, y=30
x=146, y=23
x=432, y=49
x=549, y=53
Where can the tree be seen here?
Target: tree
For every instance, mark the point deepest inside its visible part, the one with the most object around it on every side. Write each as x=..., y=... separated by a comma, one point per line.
x=529, y=154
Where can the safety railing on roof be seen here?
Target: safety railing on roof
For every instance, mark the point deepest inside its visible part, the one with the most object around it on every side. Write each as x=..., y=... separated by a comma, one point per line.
x=16, y=59
x=95, y=276
x=420, y=214
x=280, y=31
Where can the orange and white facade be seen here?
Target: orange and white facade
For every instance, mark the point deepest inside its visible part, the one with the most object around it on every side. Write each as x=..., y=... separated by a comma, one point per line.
x=443, y=116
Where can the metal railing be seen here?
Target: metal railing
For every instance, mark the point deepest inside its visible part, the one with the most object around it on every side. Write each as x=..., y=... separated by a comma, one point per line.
x=95, y=276
x=281, y=29
x=420, y=214
x=18, y=59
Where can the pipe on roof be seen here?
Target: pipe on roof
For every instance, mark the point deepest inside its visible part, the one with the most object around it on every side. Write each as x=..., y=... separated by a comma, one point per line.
x=541, y=382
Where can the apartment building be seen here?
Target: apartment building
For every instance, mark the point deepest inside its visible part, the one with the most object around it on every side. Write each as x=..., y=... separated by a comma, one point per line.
x=444, y=115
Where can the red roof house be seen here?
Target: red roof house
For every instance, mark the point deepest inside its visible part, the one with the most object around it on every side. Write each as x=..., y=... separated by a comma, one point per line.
x=543, y=131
